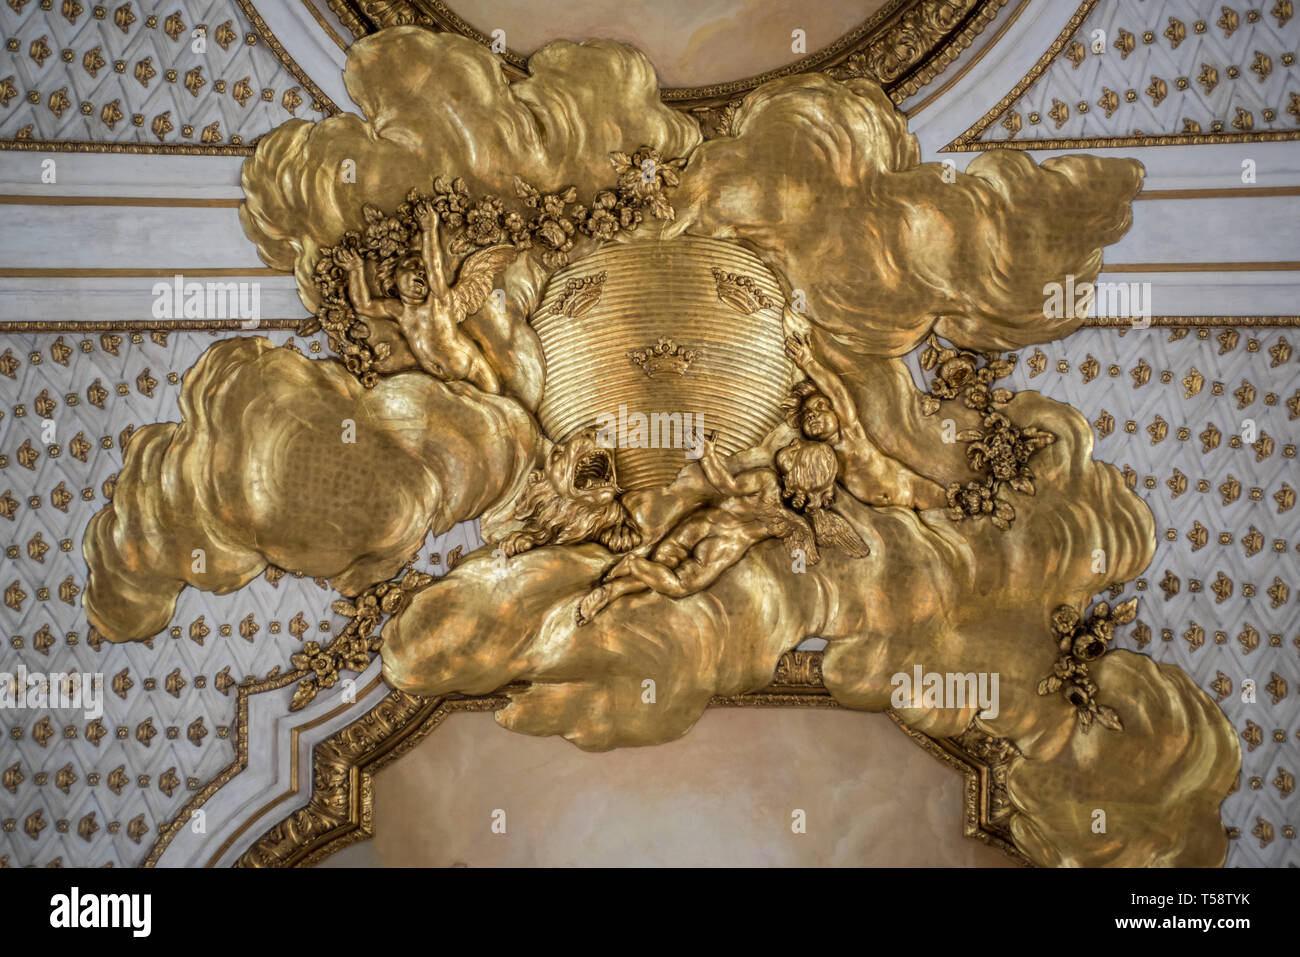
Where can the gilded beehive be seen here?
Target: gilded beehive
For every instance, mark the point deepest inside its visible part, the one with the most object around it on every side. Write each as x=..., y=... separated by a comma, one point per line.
x=657, y=342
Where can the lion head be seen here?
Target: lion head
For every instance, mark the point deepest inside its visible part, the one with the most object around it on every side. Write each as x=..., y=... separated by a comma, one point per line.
x=573, y=498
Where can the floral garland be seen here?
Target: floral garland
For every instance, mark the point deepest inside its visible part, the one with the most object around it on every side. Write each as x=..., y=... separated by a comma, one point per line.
x=548, y=223
x=958, y=373
x=352, y=649
x=1000, y=451
x=1081, y=640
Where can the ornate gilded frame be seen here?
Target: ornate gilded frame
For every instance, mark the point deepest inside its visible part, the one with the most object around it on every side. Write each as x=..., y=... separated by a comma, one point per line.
x=903, y=46
x=341, y=809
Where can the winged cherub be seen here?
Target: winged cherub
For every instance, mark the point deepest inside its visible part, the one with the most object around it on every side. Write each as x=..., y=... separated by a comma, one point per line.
x=752, y=507
x=426, y=312
x=824, y=412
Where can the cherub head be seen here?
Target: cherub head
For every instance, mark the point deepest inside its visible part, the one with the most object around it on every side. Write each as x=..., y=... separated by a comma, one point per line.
x=404, y=277
x=807, y=409
x=808, y=471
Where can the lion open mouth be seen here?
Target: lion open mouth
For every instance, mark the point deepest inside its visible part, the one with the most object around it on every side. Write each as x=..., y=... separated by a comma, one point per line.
x=595, y=470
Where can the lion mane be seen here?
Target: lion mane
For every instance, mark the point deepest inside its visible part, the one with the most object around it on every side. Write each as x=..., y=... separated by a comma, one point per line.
x=554, y=511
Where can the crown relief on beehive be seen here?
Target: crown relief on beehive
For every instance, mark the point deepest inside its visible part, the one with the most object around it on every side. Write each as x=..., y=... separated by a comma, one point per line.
x=580, y=294
x=741, y=292
x=687, y=325
x=665, y=357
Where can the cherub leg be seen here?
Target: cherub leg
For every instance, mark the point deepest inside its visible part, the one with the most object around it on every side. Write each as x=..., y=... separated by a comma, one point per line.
x=483, y=376
x=635, y=575
x=600, y=596
x=658, y=577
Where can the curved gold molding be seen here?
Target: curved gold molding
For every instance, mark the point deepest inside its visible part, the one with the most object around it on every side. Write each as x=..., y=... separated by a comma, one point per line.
x=281, y=54
x=325, y=25
x=1199, y=322
x=1111, y=142
x=169, y=829
x=295, y=737
x=341, y=810
x=905, y=45
x=967, y=139
x=970, y=64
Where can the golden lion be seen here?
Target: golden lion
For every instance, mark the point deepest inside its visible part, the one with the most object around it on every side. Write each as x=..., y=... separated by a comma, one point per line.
x=574, y=498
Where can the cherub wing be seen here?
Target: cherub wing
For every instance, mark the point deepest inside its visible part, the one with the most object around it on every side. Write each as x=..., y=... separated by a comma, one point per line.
x=799, y=539
x=832, y=529
x=475, y=279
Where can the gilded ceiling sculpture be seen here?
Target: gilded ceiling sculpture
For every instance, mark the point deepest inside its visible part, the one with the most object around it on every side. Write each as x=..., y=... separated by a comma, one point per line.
x=664, y=373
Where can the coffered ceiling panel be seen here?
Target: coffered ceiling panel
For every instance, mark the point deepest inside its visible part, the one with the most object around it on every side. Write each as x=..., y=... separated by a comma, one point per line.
x=191, y=76
x=1139, y=72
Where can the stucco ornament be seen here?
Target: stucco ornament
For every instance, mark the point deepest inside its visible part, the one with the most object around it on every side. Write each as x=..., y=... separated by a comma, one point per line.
x=665, y=374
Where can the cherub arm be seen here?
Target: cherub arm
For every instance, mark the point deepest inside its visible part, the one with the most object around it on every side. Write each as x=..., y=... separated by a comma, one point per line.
x=744, y=483
x=714, y=470
x=799, y=349
x=430, y=248
x=359, y=291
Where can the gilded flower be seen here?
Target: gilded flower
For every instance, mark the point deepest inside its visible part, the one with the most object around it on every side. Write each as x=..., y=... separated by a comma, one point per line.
x=1065, y=619
x=1002, y=451
x=1088, y=647
x=451, y=200
x=1081, y=641
x=981, y=398
x=628, y=217
x=979, y=500
x=600, y=222
x=483, y=222
x=958, y=373
x=643, y=177
x=601, y=225
x=385, y=235
x=321, y=663
x=555, y=236
x=554, y=205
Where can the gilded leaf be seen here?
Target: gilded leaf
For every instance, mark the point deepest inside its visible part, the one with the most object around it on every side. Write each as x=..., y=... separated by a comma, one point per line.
x=1109, y=718
x=1022, y=484
x=303, y=694
x=1125, y=612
